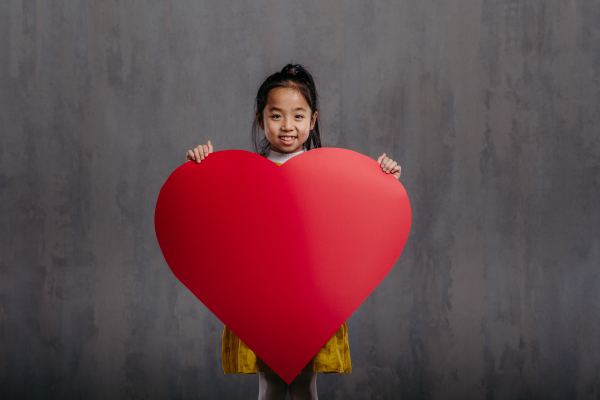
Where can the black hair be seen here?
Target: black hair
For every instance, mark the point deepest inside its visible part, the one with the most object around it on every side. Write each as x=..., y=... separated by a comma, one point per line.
x=292, y=76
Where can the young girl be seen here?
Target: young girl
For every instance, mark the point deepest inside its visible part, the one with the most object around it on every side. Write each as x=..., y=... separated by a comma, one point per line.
x=287, y=112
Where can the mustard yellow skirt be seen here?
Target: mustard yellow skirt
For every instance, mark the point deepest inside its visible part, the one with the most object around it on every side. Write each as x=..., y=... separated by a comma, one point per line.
x=334, y=356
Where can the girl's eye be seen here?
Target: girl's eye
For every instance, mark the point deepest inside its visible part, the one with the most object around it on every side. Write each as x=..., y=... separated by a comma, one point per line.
x=275, y=116
x=299, y=116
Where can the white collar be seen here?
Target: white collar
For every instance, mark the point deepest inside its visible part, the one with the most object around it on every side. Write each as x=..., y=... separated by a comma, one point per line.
x=280, y=158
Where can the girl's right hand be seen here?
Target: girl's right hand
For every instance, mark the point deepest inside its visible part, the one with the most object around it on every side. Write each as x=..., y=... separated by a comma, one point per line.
x=199, y=153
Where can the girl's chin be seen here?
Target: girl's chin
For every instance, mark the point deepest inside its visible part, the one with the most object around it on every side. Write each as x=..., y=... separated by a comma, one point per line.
x=286, y=149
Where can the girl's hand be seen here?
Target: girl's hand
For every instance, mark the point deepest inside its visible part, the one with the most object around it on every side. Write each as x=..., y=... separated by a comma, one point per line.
x=389, y=166
x=199, y=153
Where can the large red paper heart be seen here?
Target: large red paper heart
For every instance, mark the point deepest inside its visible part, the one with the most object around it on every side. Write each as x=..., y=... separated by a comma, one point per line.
x=282, y=255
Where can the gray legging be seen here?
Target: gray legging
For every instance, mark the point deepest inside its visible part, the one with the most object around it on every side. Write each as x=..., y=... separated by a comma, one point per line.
x=272, y=387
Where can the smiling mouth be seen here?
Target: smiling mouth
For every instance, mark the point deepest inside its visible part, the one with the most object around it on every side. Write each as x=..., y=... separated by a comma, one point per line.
x=287, y=138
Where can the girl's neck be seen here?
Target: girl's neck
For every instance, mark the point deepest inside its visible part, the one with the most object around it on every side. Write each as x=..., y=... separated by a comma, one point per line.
x=281, y=152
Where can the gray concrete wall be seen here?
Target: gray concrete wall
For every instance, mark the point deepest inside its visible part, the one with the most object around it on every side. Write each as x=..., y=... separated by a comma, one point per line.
x=491, y=107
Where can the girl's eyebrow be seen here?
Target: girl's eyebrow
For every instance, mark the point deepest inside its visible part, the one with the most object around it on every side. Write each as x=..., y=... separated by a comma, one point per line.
x=280, y=110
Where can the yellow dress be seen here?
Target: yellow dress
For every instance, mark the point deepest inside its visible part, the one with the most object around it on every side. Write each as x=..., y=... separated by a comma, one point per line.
x=334, y=356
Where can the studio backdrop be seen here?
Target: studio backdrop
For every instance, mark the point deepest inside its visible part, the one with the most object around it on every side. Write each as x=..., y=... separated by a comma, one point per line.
x=490, y=107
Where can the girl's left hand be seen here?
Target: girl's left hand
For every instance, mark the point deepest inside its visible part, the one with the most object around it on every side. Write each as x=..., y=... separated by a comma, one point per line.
x=389, y=166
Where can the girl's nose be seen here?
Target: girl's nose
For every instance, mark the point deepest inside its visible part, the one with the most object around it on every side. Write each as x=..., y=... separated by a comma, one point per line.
x=287, y=125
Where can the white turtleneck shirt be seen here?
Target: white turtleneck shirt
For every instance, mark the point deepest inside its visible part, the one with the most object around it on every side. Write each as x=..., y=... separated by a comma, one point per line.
x=280, y=158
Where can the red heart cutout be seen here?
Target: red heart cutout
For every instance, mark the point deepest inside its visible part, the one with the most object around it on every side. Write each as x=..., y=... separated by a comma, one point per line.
x=282, y=255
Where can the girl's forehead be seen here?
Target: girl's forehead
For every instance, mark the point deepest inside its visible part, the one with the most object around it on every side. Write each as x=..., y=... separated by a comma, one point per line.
x=285, y=96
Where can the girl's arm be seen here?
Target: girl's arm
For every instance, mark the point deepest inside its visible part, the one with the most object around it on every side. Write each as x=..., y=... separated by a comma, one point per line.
x=199, y=153
x=389, y=166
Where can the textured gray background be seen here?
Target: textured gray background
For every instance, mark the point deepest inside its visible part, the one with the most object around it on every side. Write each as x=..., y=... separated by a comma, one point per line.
x=491, y=107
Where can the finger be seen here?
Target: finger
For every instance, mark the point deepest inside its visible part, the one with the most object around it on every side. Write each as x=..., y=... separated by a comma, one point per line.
x=388, y=165
x=189, y=156
x=391, y=166
x=385, y=160
x=397, y=171
x=210, y=148
x=197, y=154
x=380, y=158
x=201, y=151
x=205, y=147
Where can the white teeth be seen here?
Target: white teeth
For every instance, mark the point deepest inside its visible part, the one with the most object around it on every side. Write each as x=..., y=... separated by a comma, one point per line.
x=287, y=137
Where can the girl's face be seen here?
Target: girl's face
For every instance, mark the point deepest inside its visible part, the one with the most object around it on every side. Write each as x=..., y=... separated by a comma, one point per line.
x=286, y=120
